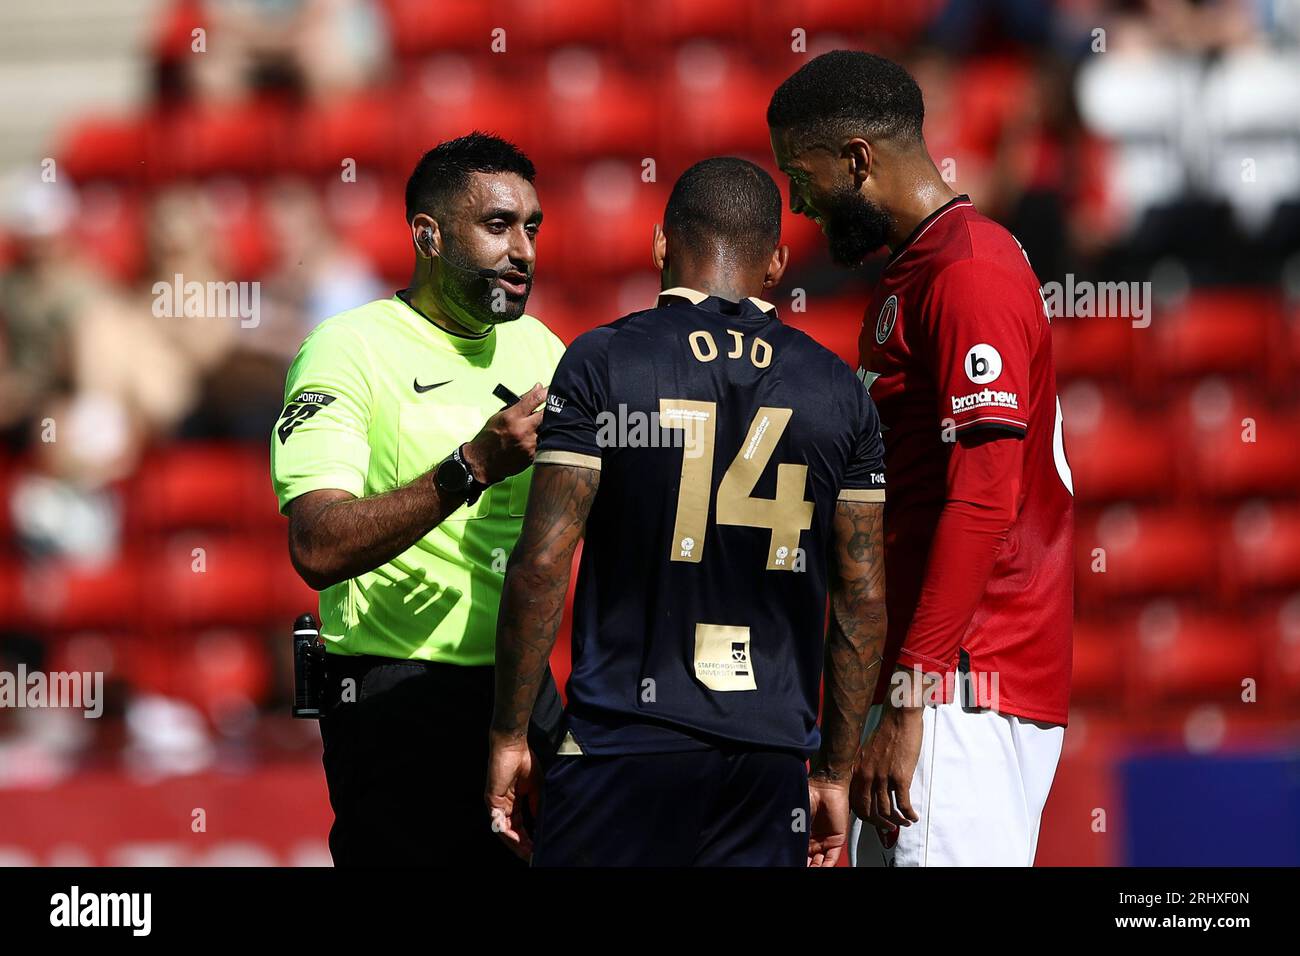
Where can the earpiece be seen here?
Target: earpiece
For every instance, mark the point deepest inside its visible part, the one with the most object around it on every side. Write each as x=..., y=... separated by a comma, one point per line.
x=424, y=238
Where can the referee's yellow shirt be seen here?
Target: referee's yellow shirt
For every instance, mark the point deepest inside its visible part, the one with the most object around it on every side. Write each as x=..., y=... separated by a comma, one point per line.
x=376, y=397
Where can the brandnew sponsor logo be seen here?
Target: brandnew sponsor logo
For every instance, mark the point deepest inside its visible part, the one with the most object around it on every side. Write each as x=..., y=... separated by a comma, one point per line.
x=985, y=398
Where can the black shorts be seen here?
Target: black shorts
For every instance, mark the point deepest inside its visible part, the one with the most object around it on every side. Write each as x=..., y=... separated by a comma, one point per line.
x=699, y=808
x=406, y=762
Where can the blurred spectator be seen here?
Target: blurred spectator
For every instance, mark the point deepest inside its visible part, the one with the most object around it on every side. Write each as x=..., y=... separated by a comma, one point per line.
x=317, y=47
x=157, y=366
x=313, y=276
x=1205, y=129
x=41, y=294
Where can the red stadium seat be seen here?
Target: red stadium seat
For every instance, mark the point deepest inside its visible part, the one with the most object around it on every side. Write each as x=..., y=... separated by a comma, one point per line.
x=417, y=26
x=1115, y=450
x=716, y=103
x=1262, y=549
x=833, y=322
x=599, y=223
x=1228, y=332
x=210, y=580
x=1145, y=552
x=361, y=126
x=1186, y=655
x=223, y=672
x=591, y=107
x=104, y=148
x=1103, y=653
x=1093, y=348
x=61, y=596
x=675, y=21
x=244, y=138
x=598, y=23
x=1282, y=634
x=203, y=485
x=449, y=96
x=146, y=665
x=1234, y=444
x=873, y=17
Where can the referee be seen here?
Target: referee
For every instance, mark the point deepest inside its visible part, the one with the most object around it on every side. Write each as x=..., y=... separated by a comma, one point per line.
x=403, y=461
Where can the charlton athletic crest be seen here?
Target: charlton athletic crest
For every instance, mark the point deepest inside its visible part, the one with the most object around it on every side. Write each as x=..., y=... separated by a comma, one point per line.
x=885, y=321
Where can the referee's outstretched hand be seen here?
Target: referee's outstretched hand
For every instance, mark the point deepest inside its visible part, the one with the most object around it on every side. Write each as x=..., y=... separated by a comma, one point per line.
x=506, y=445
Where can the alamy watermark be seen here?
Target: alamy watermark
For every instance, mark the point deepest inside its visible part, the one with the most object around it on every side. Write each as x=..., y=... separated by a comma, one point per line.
x=208, y=300
x=1085, y=299
x=133, y=911
x=918, y=688
x=673, y=428
x=75, y=690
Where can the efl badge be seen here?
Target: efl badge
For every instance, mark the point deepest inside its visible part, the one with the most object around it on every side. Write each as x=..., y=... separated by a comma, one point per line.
x=885, y=321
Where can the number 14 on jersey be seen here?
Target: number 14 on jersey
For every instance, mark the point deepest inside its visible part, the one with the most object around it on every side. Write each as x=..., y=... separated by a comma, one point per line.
x=787, y=515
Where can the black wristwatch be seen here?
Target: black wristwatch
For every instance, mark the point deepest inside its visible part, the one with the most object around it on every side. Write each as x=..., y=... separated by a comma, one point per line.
x=454, y=476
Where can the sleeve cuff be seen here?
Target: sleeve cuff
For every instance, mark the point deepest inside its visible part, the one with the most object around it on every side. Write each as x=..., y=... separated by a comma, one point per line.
x=352, y=484
x=567, y=458
x=876, y=495
x=993, y=423
x=924, y=662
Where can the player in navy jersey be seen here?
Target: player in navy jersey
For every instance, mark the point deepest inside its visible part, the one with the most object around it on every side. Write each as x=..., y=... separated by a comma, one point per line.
x=726, y=471
x=956, y=349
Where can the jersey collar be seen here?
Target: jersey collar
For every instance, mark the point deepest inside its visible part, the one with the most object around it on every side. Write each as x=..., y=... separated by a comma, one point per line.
x=696, y=297
x=464, y=344
x=926, y=223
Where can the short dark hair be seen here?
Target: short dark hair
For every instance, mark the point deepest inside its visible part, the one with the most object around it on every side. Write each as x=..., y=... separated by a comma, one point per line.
x=849, y=92
x=445, y=169
x=727, y=202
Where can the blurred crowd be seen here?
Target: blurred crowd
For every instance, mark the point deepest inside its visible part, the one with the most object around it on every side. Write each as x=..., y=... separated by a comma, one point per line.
x=1117, y=139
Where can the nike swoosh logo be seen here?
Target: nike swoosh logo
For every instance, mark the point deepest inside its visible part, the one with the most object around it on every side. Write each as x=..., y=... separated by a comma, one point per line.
x=421, y=389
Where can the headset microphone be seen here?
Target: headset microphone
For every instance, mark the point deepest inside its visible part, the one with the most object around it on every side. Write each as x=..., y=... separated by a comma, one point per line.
x=426, y=243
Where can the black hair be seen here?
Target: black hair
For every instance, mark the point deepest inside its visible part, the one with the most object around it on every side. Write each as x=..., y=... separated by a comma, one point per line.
x=727, y=202
x=445, y=169
x=848, y=92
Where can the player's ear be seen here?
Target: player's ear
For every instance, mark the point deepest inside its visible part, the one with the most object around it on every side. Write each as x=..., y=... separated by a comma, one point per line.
x=659, y=248
x=860, y=156
x=776, y=268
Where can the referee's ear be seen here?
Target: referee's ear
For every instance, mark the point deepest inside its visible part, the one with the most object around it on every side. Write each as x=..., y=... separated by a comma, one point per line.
x=425, y=234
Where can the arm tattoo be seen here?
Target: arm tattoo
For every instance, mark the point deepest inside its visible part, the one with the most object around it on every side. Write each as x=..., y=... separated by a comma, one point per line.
x=537, y=580
x=855, y=638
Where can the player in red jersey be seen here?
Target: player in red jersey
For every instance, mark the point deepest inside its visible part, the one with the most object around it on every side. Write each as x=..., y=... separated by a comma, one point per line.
x=956, y=351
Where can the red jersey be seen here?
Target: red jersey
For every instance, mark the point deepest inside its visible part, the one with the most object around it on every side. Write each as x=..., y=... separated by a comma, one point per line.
x=956, y=350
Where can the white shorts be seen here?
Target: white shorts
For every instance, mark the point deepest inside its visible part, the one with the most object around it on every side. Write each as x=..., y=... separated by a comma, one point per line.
x=979, y=789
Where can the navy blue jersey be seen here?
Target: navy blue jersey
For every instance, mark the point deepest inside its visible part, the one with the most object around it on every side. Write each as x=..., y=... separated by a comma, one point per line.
x=723, y=439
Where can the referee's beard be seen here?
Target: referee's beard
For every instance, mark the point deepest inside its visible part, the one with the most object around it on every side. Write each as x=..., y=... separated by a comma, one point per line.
x=483, y=301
